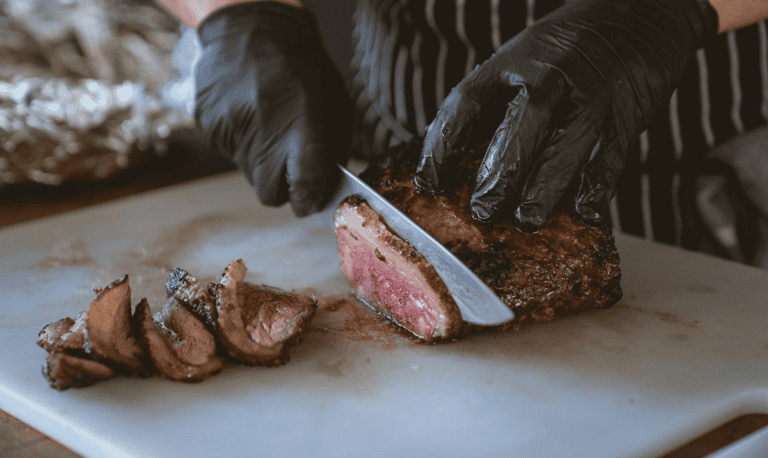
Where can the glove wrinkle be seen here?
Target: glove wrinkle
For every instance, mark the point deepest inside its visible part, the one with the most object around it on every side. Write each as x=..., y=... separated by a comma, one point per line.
x=270, y=98
x=598, y=181
x=512, y=152
x=448, y=134
x=556, y=170
x=600, y=69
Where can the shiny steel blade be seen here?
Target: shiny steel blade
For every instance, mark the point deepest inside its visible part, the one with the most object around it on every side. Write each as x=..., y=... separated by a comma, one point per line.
x=477, y=302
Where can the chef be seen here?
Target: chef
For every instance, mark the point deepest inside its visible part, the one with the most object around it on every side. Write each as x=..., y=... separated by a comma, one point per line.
x=598, y=97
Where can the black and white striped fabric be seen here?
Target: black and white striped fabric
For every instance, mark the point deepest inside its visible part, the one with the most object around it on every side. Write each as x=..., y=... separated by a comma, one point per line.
x=411, y=53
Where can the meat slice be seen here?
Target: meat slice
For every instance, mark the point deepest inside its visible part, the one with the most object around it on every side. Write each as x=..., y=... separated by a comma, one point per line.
x=566, y=267
x=65, y=335
x=391, y=276
x=50, y=336
x=188, y=290
x=109, y=334
x=63, y=371
x=258, y=325
x=179, y=345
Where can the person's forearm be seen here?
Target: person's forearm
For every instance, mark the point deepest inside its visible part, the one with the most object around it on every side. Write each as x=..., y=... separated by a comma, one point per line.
x=192, y=12
x=735, y=14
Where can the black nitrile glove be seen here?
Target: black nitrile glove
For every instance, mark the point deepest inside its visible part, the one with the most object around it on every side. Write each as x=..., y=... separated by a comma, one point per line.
x=269, y=97
x=587, y=78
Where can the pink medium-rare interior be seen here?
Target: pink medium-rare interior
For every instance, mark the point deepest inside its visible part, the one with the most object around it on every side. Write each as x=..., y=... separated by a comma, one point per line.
x=389, y=280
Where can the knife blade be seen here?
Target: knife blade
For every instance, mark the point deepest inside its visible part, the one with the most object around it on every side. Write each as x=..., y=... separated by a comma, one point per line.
x=477, y=302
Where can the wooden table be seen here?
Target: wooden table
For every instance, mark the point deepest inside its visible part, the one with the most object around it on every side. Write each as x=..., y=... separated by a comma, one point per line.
x=182, y=163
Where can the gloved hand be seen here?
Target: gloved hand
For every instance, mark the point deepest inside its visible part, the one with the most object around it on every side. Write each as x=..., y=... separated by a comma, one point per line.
x=269, y=97
x=587, y=78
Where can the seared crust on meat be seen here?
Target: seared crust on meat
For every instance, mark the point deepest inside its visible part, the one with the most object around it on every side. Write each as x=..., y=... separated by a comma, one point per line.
x=63, y=371
x=566, y=267
x=189, y=291
x=255, y=325
x=178, y=343
x=259, y=325
x=49, y=336
x=66, y=335
x=109, y=332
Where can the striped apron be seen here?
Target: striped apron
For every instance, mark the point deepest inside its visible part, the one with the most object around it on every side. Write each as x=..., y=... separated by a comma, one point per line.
x=411, y=53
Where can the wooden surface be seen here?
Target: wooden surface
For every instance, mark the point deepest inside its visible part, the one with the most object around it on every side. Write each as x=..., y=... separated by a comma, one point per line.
x=182, y=163
x=720, y=437
x=17, y=440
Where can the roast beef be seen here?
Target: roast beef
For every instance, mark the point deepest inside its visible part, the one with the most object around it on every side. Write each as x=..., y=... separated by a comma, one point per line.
x=109, y=333
x=188, y=290
x=186, y=341
x=391, y=276
x=66, y=335
x=564, y=268
x=258, y=325
x=64, y=371
x=179, y=345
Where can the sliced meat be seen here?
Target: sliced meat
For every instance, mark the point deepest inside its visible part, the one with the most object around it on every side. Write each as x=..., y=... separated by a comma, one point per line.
x=188, y=290
x=391, y=276
x=179, y=345
x=64, y=371
x=50, y=335
x=566, y=267
x=109, y=334
x=66, y=335
x=259, y=325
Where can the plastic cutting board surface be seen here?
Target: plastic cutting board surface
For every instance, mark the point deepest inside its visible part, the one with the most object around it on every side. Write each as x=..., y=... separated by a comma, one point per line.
x=685, y=349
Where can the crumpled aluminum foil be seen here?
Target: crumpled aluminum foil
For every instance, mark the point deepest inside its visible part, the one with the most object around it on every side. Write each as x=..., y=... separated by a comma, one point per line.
x=83, y=88
x=53, y=130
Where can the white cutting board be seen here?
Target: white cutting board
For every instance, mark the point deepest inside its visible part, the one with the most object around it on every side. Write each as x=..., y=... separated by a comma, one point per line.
x=685, y=350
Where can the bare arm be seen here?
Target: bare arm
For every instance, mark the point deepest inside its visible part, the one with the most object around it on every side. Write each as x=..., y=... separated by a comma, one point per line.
x=735, y=14
x=192, y=12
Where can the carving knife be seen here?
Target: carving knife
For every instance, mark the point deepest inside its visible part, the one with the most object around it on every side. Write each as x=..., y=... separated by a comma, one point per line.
x=477, y=302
